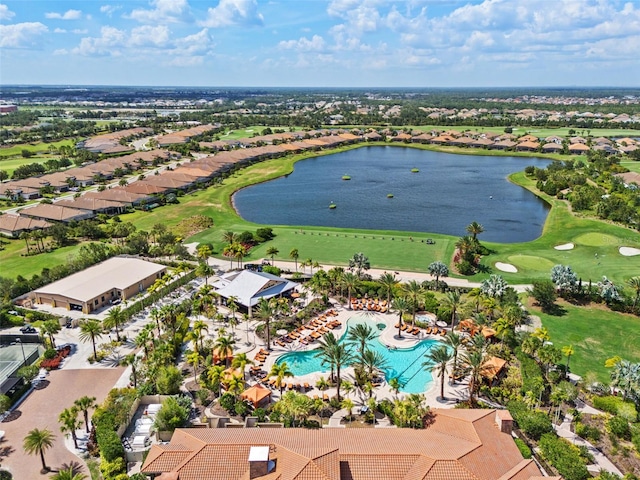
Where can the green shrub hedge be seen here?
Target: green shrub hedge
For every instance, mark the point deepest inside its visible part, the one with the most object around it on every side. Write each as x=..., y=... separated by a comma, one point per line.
x=523, y=447
x=563, y=456
x=532, y=422
x=619, y=427
x=587, y=431
x=616, y=405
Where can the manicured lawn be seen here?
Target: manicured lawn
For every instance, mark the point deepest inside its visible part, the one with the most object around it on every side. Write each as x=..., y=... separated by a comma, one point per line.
x=32, y=147
x=250, y=132
x=631, y=165
x=10, y=164
x=12, y=263
x=596, y=335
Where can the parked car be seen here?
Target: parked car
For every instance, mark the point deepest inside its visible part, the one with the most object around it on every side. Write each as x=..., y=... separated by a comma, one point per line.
x=28, y=329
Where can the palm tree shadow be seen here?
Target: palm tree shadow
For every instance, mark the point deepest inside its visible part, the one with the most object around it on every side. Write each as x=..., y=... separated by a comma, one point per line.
x=484, y=268
x=113, y=360
x=75, y=468
x=5, y=450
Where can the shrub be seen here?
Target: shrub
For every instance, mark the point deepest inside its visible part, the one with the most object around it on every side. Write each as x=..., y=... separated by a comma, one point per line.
x=171, y=415
x=228, y=402
x=272, y=270
x=564, y=457
x=587, y=431
x=49, y=353
x=241, y=408
x=168, y=380
x=619, y=427
x=112, y=469
x=465, y=268
x=109, y=444
x=533, y=423
x=611, y=404
x=260, y=413
x=525, y=451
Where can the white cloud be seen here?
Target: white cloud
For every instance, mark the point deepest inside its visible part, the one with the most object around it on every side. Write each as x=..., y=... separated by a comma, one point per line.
x=147, y=35
x=109, y=10
x=315, y=44
x=5, y=13
x=80, y=31
x=109, y=43
x=22, y=35
x=163, y=11
x=233, y=12
x=146, y=42
x=68, y=15
x=59, y=30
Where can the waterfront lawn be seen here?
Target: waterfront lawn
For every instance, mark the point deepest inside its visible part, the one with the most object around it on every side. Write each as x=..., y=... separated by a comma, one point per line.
x=539, y=132
x=596, y=334
x=595, y=253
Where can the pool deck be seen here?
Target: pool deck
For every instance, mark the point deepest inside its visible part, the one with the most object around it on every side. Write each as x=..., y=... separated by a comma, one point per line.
x=388, y=337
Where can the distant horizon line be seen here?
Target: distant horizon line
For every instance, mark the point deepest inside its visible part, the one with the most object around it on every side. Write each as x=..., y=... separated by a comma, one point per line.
x=506, y=87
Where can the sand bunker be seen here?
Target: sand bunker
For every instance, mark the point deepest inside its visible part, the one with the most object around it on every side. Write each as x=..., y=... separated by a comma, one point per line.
x=566, y=246
x=506, y=267
x=629, y=251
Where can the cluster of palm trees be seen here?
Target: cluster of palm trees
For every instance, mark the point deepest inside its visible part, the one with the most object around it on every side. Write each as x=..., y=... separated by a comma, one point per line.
x=468, y=248
x=234, y=250
x=38, y=441
x=368, y=364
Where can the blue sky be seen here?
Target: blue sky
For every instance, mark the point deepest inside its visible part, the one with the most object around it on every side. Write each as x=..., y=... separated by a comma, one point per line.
x=321, y=43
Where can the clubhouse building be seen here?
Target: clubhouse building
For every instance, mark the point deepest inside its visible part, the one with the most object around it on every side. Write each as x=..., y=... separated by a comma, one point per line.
x=456, y=444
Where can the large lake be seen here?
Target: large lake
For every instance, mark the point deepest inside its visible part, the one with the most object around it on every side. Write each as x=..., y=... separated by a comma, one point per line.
x=449, y=192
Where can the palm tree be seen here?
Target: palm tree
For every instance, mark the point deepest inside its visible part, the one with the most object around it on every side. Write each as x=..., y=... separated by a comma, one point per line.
x=452, y=301
x=193, y=359
x=374, y=362
x=142, y=340
x=568, y=351
x=350, y=281
x=37, y=442
x=475, y=229
x=90, y=330
x=414, y=291
x=474, y=360
x=204, y=270
x=265, y=311
x=232, y=305
x=224, y=347
x=361, y=334
x=388, y=282
x=229, y=237
x=235, y=385
x=401, y=306
x=216, y=374
x=280, y=371
x=634, y=283
x=155, y=316
x=359, y=262
x=84, y=404
x=69, y=473
x=197, y=330
x=341, y=357
x=240, y=361
x=294, y=255
x=272, y=252
x=49, y=328
x=326, y=346
x=131, y=361
x=454, y=342
x=476, y=294
x=438, y=269
x=348, y=405
x=438, y=360
x=494, y=286
x=114, y=318
x=394, y=384
x=69, y=421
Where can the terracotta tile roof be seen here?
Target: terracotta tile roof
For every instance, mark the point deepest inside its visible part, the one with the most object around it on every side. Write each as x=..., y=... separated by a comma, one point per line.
x=459, y=444
x=448, y=470
x=15, y=223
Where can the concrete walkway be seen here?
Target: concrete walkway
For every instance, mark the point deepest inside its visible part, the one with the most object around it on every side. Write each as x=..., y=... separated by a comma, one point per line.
x=601, y=462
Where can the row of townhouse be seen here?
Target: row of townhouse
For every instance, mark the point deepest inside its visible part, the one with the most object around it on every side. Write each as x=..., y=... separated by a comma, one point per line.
x=59, y=182
x=148, y=190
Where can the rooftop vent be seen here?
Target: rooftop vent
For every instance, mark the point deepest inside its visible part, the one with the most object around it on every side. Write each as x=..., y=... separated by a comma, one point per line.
x=259, y=463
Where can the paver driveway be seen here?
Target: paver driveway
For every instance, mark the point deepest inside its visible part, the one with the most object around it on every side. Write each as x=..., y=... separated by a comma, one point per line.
x=41, y=410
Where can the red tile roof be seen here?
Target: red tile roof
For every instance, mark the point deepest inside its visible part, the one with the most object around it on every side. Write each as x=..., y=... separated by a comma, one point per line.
x=458, y=444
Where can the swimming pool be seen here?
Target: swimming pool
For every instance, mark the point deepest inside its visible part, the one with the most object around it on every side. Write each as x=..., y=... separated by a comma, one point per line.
x=402, y=363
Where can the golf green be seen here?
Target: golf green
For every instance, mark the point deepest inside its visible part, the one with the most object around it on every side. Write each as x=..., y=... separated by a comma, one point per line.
x=593, y=239
x=530, y=262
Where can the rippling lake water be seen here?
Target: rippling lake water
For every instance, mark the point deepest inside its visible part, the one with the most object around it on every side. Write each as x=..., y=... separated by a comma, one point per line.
x=449, y=192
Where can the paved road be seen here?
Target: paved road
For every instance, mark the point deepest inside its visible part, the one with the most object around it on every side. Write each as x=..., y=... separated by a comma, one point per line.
x=41, y=410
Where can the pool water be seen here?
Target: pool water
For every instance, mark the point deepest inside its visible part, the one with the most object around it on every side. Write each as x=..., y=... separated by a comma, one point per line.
x=402, y=363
